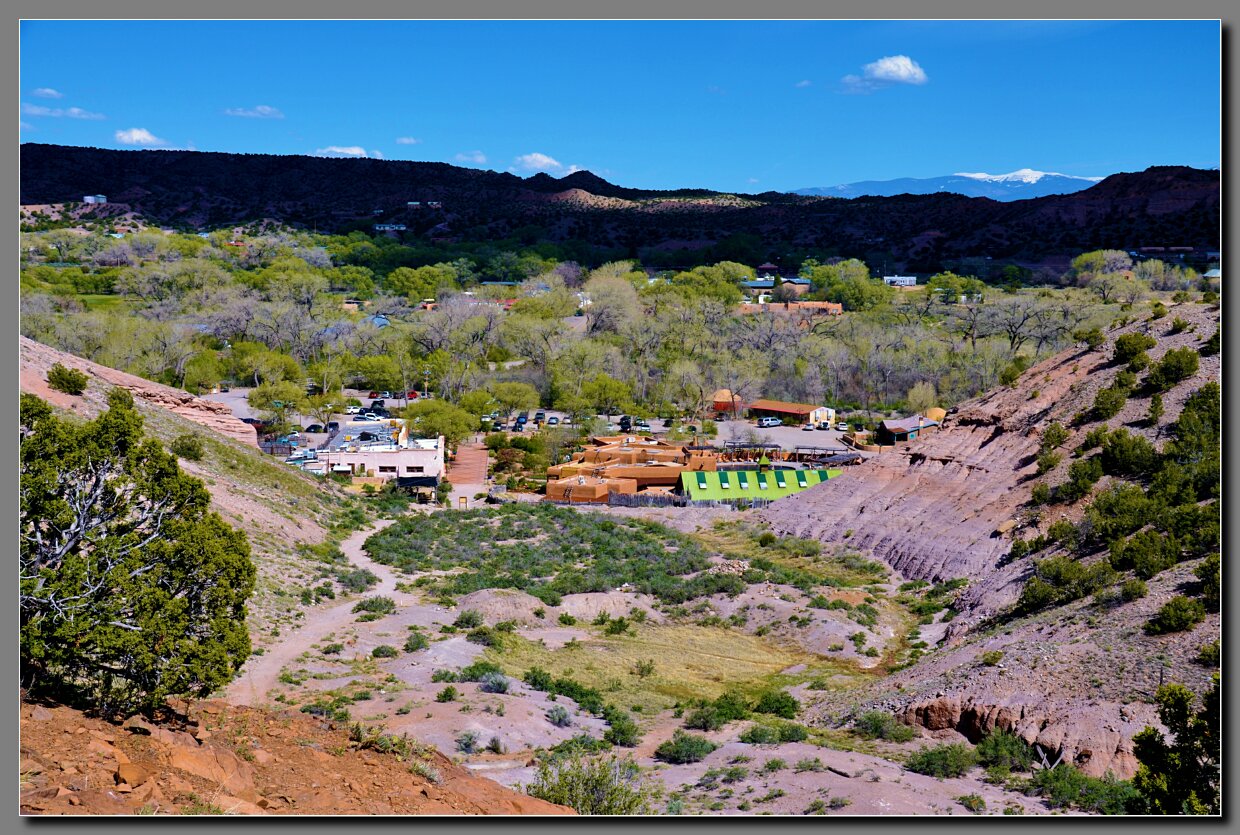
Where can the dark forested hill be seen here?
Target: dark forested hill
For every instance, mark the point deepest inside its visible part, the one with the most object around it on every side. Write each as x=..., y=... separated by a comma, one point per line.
x=1163, y=206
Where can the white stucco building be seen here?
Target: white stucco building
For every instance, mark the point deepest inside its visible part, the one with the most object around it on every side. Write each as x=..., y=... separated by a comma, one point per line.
x=383, y=450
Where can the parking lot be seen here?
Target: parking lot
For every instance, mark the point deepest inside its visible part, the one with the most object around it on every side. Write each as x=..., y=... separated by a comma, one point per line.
x=787, y=437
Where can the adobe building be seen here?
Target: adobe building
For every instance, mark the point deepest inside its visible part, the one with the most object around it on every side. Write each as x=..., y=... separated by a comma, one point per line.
x=625, y=464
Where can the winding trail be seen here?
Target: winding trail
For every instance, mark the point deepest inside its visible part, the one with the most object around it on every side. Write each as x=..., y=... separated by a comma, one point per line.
x=261, y=672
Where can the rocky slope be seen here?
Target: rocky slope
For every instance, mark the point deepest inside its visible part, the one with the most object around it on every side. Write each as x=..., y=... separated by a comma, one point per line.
x=213, y=758
x=281, y=509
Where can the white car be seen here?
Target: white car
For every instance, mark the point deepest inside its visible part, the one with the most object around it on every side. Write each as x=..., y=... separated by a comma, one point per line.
x=369, y=417
x=766, y=422
x=353, y=410
x=843, y=427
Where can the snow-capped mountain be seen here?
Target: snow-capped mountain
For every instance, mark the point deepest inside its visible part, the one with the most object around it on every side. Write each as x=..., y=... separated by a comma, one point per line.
x=1016, y=185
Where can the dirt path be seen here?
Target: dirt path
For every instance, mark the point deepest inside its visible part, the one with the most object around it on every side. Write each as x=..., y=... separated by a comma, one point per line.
x=260, y=673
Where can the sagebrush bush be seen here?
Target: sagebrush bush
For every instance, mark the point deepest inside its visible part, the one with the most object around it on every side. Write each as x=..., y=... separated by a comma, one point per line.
x=778, y=703
x=593, y=786
x=950, y=760
x=415, y=642
x=559, y=716
x=684, y=748
x=67, y=380
x=1131, y=345
x=1177, y=614
x=378, y=605
x=493, y=683
x=384, y=651
x=468, y=619
x=877, y=724
x=188, y=446
x=1005, y=750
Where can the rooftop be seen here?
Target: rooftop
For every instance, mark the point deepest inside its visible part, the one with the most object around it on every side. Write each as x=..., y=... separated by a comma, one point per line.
x=783, y=406
x=380, y=436
x=909, y=423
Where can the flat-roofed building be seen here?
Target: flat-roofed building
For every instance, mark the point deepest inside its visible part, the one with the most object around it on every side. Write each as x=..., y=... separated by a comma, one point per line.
x=384, y=450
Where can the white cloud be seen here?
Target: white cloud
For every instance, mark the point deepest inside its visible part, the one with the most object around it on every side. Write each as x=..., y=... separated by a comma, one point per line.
x=347, y=151
x=535, y=162
x=892, y=69
x=56, y=112
x=262, y=111
x=25, y=126
x=752, y=180
x=47, y=93
x=408, y=140
x=802, y=84
x=476, y=157
x=138, y=136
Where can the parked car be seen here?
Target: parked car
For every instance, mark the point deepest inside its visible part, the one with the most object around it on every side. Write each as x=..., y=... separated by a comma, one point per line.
x=385, y=394
x=352, y=410
x=691, y=429
x=373, y=395
x=826, y=424
x=667, y=423
x=767, y=422
x=498, y=426
x=522, y=420
x=411, y=395
x=843, y=427
x=553, y=421
x=333, y=426
x=381, y=412
x=518, y=427
x=641, y=423
x=378, y=403
x=625, y=423
x=314, y=427
x=224, y=389
x=567, y=421
x=809, y=427
x=539, y=417
x=369, y=417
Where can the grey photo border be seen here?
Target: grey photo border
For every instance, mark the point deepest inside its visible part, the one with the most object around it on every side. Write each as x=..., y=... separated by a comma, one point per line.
x=14, y=12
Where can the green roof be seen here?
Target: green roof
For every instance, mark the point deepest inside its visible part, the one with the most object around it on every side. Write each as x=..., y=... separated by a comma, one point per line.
x=741, y=484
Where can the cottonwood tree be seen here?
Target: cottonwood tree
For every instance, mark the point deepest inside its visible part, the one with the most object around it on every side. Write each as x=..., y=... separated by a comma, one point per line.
x=130, y=589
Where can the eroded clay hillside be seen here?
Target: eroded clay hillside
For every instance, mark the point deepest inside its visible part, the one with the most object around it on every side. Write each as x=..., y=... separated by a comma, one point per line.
x=932, y=510
x=1076, y=678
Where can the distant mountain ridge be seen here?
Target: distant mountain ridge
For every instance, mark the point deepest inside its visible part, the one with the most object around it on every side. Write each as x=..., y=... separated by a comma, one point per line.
x=1166, y=205
x=1021, y=184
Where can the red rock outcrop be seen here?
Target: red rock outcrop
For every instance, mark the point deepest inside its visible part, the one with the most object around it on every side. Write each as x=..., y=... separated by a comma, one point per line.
x=36, y=359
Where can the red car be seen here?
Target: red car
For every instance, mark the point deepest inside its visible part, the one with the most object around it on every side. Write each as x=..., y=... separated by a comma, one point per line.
x=373, y=395
x=413, y=395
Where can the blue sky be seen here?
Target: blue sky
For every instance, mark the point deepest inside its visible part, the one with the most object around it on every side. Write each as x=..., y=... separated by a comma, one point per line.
x=733, y=106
